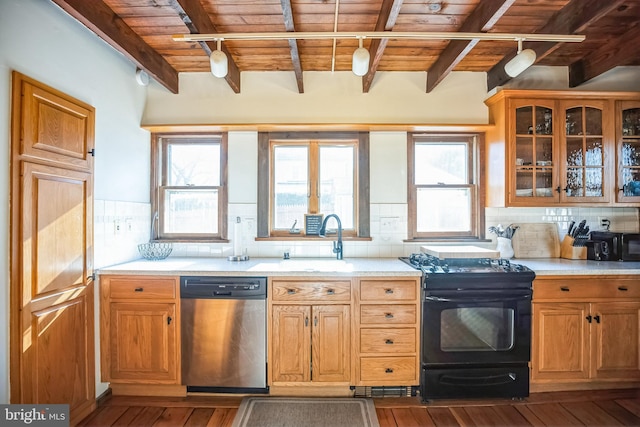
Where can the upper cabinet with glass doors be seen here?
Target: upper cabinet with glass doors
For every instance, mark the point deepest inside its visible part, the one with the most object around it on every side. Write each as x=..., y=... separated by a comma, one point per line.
x=563, y=148
x=627, y=125
x=585, y=149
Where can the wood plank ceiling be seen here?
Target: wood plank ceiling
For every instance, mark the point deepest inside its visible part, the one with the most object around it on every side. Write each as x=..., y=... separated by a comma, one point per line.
x=142, y=30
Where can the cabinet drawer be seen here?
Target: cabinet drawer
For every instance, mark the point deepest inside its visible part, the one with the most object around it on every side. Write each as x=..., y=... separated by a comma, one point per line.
x=572, y=289
x=391, y=314
x=325, y=291
x=398, y=369
x=391, y=290
x=142, y=287
x=400, y=340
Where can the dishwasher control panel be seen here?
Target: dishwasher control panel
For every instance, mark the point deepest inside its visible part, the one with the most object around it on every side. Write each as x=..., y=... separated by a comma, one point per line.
x=223, y=287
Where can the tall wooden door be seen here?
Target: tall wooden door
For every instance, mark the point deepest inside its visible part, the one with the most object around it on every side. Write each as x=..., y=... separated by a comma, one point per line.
x=52, y=303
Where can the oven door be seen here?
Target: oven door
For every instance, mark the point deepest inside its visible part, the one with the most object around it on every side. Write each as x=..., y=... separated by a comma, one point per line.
x=477, y=327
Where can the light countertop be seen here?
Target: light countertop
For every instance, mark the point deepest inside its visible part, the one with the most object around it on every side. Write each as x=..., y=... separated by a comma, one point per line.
x=267, y=267
x=348, y=267
x=560, y=266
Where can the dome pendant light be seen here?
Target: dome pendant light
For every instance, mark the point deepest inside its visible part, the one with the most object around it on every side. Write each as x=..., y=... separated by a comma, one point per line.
x=523, y=60
x=219, y=63
x=360, y=60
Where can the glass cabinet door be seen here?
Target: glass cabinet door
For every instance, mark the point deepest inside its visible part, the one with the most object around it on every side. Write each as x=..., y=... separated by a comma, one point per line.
x=628, y=137
x=533, y=153
x=583, y=158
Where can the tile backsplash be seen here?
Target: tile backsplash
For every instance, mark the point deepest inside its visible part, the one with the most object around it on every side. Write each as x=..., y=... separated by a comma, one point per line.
x=120, y=226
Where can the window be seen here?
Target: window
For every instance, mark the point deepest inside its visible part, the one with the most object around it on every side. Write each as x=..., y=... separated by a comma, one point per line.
x=189, y=187
x=313, y=173
x=445, y=198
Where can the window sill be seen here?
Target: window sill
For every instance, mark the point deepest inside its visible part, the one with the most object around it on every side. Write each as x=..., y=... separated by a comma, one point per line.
x=449, y=240
x=303, y=238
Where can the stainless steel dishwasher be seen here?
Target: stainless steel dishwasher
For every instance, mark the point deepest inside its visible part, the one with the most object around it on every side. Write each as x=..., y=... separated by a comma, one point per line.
x=224, y=334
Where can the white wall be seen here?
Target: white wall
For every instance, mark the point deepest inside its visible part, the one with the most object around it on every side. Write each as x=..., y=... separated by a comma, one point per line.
x=272, y=97
x=41, y=41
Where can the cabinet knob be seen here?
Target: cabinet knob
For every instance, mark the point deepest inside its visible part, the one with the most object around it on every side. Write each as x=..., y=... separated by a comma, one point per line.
x=138, y=289
x=331, y=292
x=388, y=291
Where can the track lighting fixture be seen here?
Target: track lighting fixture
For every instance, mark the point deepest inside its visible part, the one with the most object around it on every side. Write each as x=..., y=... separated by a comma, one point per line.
x=360, y=60
x=218, y=60
x=523, y=60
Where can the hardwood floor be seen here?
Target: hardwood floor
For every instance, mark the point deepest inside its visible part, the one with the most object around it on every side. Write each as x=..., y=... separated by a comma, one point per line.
x=590, y=408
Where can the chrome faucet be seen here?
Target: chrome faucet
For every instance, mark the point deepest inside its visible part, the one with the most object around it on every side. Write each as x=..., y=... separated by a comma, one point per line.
x=337, y=245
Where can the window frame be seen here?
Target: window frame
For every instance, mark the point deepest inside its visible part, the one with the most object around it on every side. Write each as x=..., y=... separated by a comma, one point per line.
x=266, y=141
x=159, y=179
x=475, y=143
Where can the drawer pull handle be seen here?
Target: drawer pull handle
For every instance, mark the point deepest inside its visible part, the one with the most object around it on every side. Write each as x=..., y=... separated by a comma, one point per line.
x=291, y=291
x=564, y=288
x=388, y=341
x=138, y=289
x=388, y=315
x=388, y=371
x=331, y=292
x=388, y=291
x=589, y=318
x=169, y=319
x=597, y=318
x=623, y=288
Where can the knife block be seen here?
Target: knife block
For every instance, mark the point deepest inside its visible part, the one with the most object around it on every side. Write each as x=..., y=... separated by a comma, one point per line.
x=568, y=251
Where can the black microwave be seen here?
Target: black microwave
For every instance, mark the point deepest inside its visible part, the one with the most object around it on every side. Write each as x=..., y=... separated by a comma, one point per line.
x=630, y=250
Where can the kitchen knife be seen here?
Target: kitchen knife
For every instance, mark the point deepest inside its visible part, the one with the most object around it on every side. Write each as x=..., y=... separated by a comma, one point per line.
x=580, y=228
x=571, y=225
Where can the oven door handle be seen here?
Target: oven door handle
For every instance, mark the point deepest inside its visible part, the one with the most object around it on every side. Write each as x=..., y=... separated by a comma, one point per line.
x=479, y=381
x=478, y=299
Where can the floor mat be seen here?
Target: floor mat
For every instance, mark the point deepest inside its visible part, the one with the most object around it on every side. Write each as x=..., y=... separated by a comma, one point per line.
x=307, y=412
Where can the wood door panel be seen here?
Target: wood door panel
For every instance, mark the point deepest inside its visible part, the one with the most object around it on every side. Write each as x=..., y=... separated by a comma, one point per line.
x=291, y=343
x=560, y=341
x=330, y=343
x=55, y=128
x=616, y=341
x=388, y=290
x=58, y=228
x=143, y=341
x=60, y=338
x=52, y=305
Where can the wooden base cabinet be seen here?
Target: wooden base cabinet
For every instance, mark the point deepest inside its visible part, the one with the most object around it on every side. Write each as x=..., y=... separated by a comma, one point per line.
x=586, y=333
x=387, y=332
x=140, y=332
x=310, y=333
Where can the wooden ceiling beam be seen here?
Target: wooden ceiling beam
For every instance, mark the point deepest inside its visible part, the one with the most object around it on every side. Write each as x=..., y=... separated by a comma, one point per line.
x=574, y=18
x=482, y=19
x=289, y=26
x=100, y=18
x=386, y=20
x=615, y=52
x=197, y=20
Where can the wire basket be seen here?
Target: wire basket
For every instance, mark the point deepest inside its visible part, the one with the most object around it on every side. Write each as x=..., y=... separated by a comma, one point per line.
x=154, y=250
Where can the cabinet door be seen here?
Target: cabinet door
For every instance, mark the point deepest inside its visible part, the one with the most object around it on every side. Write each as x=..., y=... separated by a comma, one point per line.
x=331, y=343
x=627, y=125
x=585, y=150
x=291, y=343
x=560, y=347
x=533, y=157
x=615, y=340
x=143, y=343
